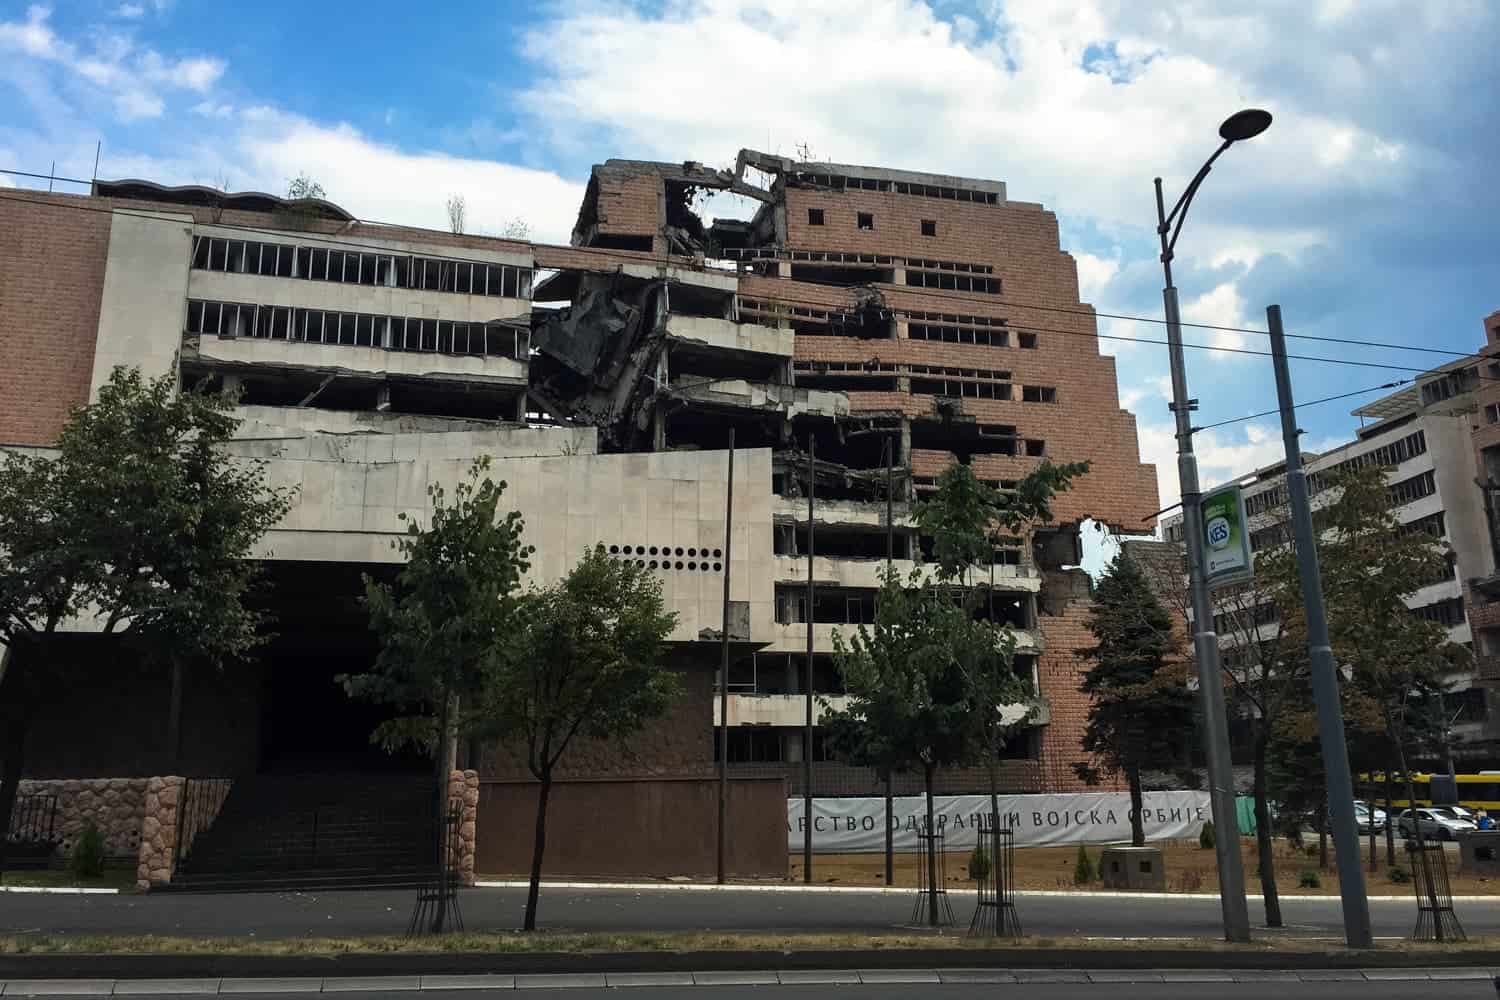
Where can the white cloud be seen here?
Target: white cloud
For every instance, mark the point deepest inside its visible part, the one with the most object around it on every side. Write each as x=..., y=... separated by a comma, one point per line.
x=1095, y=273
x=135, y=104
x=261, y=148
x=211, y=110
x=131, y=76
x=130, y=11
x=1224, y=454
x=1220, y=306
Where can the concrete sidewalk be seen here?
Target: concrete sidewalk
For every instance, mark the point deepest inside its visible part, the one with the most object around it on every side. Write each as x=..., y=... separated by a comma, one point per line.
x=628, y=980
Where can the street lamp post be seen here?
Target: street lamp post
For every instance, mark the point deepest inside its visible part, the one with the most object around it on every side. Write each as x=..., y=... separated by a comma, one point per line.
x=1240, y=125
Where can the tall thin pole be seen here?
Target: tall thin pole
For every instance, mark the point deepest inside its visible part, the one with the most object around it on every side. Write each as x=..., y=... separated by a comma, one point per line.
x=1325, y=680
x=807, y=682
x=1236, y=910
x=724, y=657
x=890, y=553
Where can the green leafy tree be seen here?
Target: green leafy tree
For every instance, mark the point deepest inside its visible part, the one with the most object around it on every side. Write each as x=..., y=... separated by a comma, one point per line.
x=1370, y=566
x=1140, y=698
x=928, y=681
x=926, y=685
x=139, y=524
x=586, y=660
x=443, y=623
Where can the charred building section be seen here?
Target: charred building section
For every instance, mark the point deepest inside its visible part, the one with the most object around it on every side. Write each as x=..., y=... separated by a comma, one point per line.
x=870, y=327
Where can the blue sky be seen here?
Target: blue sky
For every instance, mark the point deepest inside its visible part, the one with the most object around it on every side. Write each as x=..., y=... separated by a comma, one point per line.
x=1366, y=211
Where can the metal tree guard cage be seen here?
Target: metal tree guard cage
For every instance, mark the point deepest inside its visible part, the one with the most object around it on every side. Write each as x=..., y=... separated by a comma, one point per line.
x=1436, y=920
x=932, y=842
x=437, y=909
x=995, y=915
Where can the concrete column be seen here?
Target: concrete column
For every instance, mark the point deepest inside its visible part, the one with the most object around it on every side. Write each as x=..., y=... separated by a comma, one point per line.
x=521, y=408
x=784, y=268
x=899, y=327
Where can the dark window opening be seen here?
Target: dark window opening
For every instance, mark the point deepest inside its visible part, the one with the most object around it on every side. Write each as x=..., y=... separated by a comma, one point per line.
x=929, y=227
x=1028, y=341
x=866, y=221
x=814, y=216
x=1035, y=448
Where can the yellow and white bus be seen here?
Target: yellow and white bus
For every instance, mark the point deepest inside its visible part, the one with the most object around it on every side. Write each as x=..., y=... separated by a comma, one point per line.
x=1472, y=791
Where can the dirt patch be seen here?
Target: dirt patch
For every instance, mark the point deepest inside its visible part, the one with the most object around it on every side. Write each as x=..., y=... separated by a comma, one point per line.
x=1189, y=869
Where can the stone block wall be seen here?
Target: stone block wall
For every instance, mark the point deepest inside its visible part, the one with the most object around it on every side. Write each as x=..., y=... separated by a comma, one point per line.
x=115, y=805
x=463, y=789
x=158, y=832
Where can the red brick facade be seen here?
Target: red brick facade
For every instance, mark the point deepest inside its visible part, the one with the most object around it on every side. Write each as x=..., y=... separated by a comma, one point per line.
x=1484, y=613
x=51, y=282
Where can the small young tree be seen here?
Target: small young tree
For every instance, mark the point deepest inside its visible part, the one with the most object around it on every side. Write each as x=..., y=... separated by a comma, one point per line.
x=443, y=624
x=140, y=521
x=457, y=213
x=302, y=187
x=585, y=660
x=926, y=685
x=1139, y=698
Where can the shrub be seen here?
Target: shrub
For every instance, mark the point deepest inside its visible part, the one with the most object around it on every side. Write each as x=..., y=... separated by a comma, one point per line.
x=1311, y=850
x=88, y=853
x=979, y=864
x=1206, y=837
x=1083, y=868
x=1398, y=874
x=1310, y=879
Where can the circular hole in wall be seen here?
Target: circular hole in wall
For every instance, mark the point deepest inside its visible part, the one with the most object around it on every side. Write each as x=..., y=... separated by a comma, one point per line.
x=653, y=550
x=677, y=566
x=718, y=567
x=651, y=564
x=692, y=565
x=614, y=550
x=692, y=552
x=717, y=554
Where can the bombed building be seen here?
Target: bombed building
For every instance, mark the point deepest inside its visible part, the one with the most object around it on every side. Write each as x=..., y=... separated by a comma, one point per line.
x=856, y=328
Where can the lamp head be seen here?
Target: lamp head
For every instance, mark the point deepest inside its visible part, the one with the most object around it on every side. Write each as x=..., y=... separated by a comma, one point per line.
x=1246, y=124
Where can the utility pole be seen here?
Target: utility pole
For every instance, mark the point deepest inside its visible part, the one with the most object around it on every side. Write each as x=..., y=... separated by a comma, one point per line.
x=1325, y=681
x=890, y=552
x=1241, y=125
x=807, y=682
x=724, y=658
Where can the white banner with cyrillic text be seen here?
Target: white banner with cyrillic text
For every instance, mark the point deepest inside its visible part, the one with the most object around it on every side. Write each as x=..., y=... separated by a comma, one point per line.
x=857, y=825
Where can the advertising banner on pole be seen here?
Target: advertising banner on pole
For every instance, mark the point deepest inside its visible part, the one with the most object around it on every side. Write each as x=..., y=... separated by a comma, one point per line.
x=1226, y=537
x=857, y=825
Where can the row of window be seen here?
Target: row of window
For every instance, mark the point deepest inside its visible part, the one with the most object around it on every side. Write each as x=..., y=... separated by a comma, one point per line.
x=1385, y=456
x=1435, y=525
x=319, y=326
x=1449, y=611
x=951, y=282
x=838, y=182
x=380, y=270
x=965, y=335
x=1266, y=500
x=866, y=221
x=1265, y=613
x=1412, y=489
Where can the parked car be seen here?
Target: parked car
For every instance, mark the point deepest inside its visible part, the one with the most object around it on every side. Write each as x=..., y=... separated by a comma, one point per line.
x=1362, y=816
x=1434, y=823
x=1457, y=812
x=1361, y=819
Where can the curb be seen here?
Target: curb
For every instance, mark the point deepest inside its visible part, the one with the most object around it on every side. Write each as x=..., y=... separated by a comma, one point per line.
x=799, y=977
x=882, y=890
x=193, y=966
x=59, y=890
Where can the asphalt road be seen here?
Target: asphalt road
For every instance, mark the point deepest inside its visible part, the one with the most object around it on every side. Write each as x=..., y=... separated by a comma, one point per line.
x=348, y=913
x=1478, y=990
